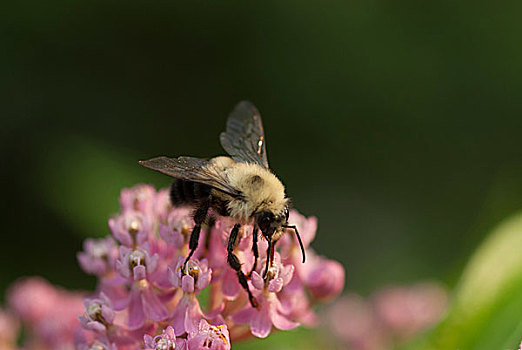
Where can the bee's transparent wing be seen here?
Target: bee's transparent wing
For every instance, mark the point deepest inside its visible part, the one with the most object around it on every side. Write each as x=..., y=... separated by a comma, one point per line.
x=244, y=139
x=191, y=169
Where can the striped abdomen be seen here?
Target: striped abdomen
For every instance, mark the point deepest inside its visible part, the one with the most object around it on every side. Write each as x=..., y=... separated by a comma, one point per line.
x=188, y=192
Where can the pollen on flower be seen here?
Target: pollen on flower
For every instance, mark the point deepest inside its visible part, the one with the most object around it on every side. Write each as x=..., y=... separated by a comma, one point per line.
x=164, y=344
x=136, y=258
x=94, y=311
x=99, y=250
x=97, y=346
x=271, y=273
x=218, y=332
x=193, y=269
x=142, y=284
x=134, y=226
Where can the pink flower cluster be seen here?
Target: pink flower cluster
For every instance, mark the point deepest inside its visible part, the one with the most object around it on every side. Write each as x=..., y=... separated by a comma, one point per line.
x=48, y=314
x=145, y=299
x=389, y=317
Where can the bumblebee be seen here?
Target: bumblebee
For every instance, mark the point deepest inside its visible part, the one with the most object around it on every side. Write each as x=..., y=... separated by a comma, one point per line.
x=240, y=186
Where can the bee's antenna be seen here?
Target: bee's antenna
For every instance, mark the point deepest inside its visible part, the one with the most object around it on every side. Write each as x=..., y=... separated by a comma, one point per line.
x=293, y=227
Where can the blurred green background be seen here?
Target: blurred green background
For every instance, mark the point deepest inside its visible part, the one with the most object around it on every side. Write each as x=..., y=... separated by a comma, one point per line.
x=397, y=123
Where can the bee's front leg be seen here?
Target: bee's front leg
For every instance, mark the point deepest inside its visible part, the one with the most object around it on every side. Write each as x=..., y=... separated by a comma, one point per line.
x=254, y=250
x=233, y=261
x=199, y=217
x=269, y=255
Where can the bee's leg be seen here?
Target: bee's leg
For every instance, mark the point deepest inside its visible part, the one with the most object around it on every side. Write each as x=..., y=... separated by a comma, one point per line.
x=254, y=250
x=199, y=217
x=211, y=222
x=269, y=256
x=233, y=261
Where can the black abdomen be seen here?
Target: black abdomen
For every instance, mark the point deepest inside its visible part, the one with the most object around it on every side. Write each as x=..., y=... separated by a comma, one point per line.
x=188, y=192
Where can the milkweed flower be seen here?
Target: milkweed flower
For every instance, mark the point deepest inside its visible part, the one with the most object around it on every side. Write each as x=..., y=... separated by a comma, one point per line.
x=390, y=316
x=84, y=343
x=137, y=265
x=140, y=198
x=149, y=296
x=98, y=256
x=188, y=313
x=48, y=314
x=177, y=229
x=323, y=277
x=271, y=312
x=352, y=321
x=131, y=228
x=407, y=310
x=207, y=336
x=99, y=313
x=165, y=341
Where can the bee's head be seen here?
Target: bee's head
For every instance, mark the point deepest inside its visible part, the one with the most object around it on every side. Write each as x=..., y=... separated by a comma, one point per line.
x=271, y=224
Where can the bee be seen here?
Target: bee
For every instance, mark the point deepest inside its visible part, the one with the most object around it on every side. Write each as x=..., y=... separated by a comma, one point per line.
x=240, y=186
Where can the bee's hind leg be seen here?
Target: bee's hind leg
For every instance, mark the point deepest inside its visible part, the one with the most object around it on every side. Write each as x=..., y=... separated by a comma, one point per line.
x=211, y=222
x=199, y=217
x=233, y=261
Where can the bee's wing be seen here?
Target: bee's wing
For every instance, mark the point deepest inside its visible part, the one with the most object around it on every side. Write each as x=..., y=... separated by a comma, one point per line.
x=244, y=139
x=191, y=169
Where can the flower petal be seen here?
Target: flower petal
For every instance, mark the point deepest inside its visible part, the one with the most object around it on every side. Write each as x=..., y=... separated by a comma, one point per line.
x=187, y=284
x=258, y=281
x=152, y=306
x=193, y=316
x=281, y=322
x=165, y=232
x=136, y=314
x=243, y=316
x=149, y=341
x=107, y=313
x=178, y=316
x=204, y=279
x=229, y=284
x=139, y=272
x=287, y=274
x=275, y=285
x=181, y=344
x=170, y=332
x=173, y=277
x=123, y=269
x=152, y=263
x=261, y=325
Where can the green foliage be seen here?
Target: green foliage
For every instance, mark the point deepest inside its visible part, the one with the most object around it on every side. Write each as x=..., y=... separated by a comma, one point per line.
x=80, y=181
x=301, y=338
x=487, y=305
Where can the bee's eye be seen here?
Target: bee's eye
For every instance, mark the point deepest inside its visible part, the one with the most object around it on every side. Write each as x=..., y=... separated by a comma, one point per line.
x=287, y=213
x=264, y=220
